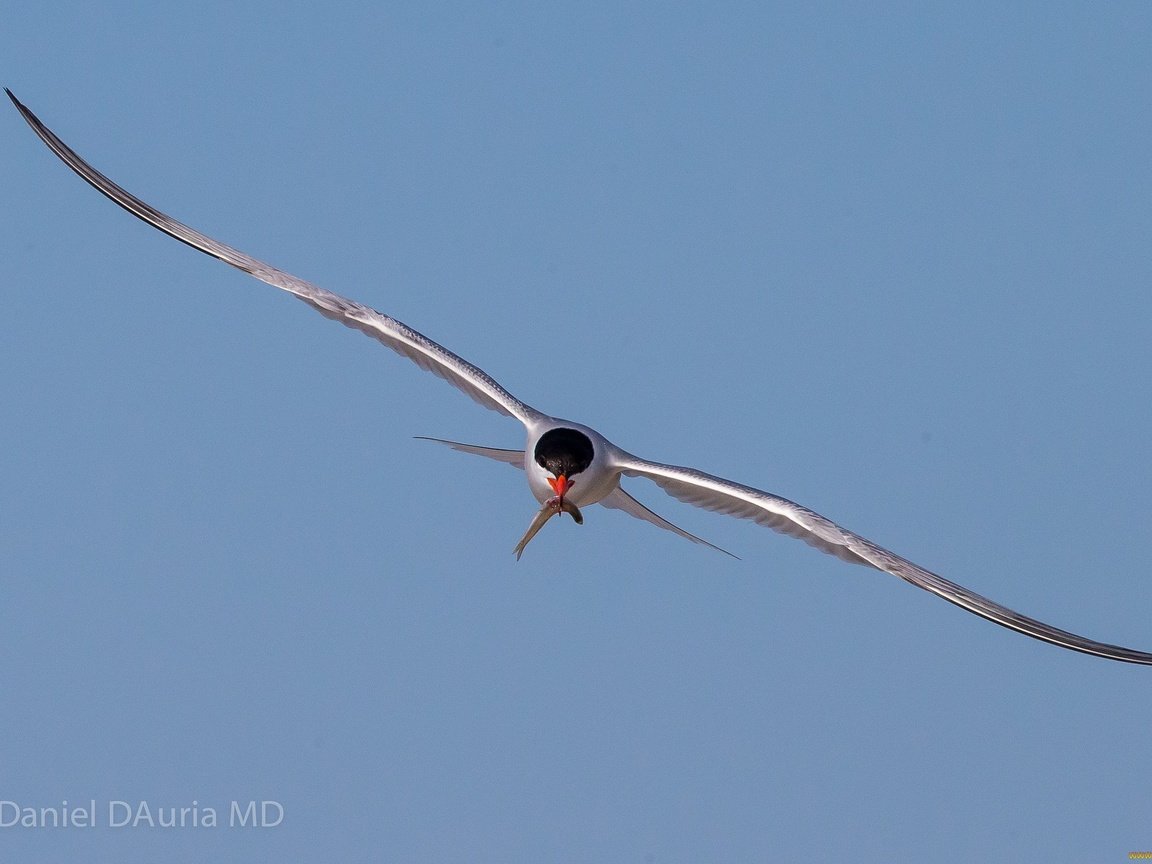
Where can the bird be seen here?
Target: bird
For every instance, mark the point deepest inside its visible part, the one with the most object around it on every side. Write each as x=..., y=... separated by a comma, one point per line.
x=569, y=465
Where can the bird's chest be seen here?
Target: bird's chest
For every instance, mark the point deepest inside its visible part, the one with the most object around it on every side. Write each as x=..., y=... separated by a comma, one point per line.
x=589, y=486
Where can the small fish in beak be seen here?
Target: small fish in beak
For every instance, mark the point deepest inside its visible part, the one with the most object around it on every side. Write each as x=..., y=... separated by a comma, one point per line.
x=552, y=507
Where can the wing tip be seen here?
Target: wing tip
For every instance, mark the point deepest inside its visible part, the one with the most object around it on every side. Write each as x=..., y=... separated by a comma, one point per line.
x=20, y=106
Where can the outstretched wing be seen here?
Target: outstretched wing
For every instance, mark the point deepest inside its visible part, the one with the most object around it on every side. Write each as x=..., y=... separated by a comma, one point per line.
x=734, y=499
x=396, y=335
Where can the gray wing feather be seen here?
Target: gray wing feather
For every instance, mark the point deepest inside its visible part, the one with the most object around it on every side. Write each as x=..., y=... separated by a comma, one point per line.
x=734, y=499
x=394, y=334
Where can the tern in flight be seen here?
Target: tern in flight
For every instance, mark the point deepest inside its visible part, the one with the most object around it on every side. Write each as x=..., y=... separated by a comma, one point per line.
x=570, y=466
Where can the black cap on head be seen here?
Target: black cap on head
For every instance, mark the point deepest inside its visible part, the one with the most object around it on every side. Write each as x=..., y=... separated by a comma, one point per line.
x=564, y=452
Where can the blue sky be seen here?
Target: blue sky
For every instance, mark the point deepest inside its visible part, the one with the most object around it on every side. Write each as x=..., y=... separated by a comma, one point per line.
x=888, y=260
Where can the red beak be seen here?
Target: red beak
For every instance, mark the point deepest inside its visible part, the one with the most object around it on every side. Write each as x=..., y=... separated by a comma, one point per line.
x=560, y=486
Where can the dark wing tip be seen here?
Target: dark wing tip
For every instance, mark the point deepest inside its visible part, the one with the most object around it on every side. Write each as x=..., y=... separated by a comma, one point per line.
x=25, y=112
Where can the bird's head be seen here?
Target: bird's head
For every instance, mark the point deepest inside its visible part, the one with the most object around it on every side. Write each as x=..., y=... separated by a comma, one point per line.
x=563, y=453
